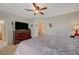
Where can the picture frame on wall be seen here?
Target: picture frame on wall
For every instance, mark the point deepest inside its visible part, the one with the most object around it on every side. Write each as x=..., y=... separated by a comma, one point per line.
x=36, y=25
x=31, y=25
x=50, y=25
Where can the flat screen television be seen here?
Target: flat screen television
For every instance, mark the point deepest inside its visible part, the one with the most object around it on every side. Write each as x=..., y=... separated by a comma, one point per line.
x=21, y=25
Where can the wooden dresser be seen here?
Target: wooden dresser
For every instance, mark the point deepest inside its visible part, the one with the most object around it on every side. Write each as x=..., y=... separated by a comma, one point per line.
x=21, y=35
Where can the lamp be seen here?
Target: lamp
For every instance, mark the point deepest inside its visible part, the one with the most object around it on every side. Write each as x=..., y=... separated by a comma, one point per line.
x=76, y=28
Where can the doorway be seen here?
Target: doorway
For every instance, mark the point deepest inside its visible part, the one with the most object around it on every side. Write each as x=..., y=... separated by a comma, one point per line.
x=41, y=28
x=1, y=30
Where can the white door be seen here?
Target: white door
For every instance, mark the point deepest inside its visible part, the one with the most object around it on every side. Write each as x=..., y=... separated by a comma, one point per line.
x=41, y=28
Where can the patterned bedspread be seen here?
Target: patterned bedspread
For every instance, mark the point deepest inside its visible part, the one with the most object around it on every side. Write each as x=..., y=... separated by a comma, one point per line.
x=48, y=45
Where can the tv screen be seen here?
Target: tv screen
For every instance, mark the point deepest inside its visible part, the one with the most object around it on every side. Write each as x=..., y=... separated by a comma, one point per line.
x=20, y=25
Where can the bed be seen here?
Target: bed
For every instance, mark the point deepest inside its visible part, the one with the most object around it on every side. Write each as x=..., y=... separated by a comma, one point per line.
x=48, y=45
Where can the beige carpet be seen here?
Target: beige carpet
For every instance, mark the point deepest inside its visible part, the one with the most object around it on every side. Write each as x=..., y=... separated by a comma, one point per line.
x=8, y=50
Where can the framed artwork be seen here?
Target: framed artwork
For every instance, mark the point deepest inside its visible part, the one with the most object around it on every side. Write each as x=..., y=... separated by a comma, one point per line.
x=50, y=25
x=31, y=25
x=36, y=25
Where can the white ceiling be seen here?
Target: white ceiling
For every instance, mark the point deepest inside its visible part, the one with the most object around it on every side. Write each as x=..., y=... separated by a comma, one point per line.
x=53, y=9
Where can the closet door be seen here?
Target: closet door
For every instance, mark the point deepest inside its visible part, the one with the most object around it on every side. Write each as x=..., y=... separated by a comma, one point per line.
x=50, y=26
x=61, y=27
x=41, y=27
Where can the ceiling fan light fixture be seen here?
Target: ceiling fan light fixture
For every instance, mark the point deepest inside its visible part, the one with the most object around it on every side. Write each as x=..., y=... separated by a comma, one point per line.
x=37, y=9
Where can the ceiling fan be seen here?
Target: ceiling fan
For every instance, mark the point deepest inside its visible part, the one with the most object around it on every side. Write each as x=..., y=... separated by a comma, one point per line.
x=37, y=9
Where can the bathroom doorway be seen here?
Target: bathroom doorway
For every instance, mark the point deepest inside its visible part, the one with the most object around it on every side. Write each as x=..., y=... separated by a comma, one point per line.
x=41, y=28
x=1, y=30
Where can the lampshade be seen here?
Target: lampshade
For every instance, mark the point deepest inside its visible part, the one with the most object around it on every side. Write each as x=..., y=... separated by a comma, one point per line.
x=76, y=27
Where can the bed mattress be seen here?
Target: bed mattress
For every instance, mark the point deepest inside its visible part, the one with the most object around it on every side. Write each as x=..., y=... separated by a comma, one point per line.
x=48, y=45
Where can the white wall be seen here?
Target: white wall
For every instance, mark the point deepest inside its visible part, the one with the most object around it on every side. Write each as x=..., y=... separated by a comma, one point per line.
x=8, y=19
x=61, y=24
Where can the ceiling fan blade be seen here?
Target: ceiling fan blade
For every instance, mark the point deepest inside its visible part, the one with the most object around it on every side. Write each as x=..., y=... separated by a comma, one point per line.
x=34, y=5
x=41, y=13
x=43, y=8
x=28, y=9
